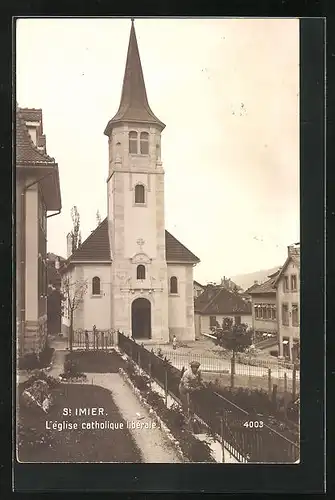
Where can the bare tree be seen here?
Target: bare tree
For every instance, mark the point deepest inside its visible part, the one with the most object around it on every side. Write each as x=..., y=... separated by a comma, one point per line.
x=75, y=233
x=73, y=292
x=98, y=216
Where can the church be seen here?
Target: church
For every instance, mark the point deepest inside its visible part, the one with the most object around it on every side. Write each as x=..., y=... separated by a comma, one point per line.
x=139, y=276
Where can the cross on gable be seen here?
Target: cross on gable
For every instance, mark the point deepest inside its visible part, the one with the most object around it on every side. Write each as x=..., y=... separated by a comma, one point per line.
x=140, y=242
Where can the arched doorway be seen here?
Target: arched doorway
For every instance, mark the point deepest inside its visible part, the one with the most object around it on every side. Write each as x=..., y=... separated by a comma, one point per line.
x=141, y=319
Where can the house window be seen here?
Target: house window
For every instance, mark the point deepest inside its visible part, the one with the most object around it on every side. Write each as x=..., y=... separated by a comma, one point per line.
x=133, y=143
x=96, y=286
x=139, y=193
x=294, y=282
x=286, y=347
x=144, y=143
x=285, y=318
x=264, y=312
x=140, y=274
x=237, y=320
x=286, y=284
x=295, y=315
x=256, y=312
x=274, y=313
x=173, y=285
x=212, y=321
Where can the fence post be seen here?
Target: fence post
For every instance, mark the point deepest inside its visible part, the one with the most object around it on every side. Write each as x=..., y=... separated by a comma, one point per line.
x=294, y=381
x=285, y=382
x=165, y=383
x=232, y=372
x=274, y=396
x=222, y=440
x=150, y=358
x=87, y=345
x=269, y=382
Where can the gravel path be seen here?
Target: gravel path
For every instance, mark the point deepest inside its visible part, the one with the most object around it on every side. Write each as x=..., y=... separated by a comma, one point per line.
x=153, y=444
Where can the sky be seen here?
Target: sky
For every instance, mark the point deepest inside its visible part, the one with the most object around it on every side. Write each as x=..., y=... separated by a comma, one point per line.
x=228, y=92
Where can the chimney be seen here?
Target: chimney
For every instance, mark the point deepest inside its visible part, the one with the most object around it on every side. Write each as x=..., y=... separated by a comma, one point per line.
x=293, y=249
x=69, y=245
x=255, y=282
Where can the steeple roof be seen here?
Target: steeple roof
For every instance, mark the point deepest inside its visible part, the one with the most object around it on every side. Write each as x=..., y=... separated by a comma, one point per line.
x=134, y=105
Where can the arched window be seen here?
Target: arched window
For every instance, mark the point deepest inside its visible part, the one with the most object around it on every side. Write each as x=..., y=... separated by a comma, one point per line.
x=144, y=143
x=140, y=272
x=96, y=286
x=139, y=193
x=173, y=285
x=133, y=143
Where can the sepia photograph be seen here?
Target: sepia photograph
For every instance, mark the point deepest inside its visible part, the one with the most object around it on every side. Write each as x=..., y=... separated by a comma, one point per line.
x=157, y=214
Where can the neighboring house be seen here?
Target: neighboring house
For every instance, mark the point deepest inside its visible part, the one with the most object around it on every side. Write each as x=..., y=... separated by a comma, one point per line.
x=54, y=302
x=37, y=193
x=140, y=278
x=264, y=306
x=288, y=304
x=217, y=303
x=197, y=289
x=230, y=285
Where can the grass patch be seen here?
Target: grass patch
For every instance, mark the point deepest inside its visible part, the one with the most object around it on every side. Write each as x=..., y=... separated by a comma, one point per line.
x=96, y=361
x=38, y=444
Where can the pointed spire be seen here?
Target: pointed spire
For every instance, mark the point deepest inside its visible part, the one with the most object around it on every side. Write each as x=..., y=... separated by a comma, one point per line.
x=134, y=105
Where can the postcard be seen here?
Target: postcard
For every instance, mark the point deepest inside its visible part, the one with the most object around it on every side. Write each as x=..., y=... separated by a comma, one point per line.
x=157, y=241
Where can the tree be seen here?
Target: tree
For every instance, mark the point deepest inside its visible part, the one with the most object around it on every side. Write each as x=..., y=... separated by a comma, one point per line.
x=235, y=338
x=73, y=292
x=98, y=216
x=75, y=233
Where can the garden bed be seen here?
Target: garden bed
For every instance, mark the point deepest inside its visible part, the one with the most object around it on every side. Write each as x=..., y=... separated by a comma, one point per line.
x=192, y=448
x=258, y=404
x=37, y=443
x=96, y=361
x=32, y=362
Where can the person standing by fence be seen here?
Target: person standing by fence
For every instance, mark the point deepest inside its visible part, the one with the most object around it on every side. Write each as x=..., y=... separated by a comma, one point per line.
x=174, y=342
x=190, y=382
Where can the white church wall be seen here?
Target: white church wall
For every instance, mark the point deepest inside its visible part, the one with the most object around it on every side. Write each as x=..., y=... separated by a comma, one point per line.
x=95, y=309
x=181, y=308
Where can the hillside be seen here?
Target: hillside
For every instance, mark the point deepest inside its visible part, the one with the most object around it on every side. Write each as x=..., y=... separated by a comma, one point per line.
x=246, y=280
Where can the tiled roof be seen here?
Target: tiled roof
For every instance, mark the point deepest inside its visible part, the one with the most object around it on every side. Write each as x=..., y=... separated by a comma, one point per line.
x=219, y=300
x=31, y=114
x=198, y=284
x=266, y=287
x=251, y=288
x=26, y=151
x=96, y=248
x=134, y=105
x=177, y=252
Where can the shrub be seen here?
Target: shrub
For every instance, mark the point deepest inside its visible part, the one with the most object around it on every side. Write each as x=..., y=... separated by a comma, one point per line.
x=41, y=375
x=274, y=352
x=70, y=367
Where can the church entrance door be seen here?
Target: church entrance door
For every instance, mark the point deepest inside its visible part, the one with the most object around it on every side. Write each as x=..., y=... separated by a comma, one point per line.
x=141, y=319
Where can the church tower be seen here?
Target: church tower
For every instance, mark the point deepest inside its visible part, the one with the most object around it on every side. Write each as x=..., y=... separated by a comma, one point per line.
x=135, y=187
